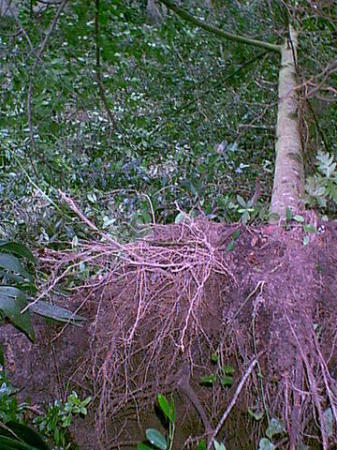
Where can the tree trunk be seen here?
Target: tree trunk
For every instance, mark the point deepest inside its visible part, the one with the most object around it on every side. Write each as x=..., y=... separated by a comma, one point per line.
x=289, y=174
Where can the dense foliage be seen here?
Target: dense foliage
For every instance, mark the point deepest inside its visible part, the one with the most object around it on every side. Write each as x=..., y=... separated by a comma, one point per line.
x=176, y=119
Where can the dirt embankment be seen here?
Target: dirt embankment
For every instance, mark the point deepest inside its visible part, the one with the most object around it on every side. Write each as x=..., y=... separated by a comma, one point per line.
x=257, y=298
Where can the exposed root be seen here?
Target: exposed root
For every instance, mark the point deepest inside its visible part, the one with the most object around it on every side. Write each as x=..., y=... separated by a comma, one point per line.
x=164, y=304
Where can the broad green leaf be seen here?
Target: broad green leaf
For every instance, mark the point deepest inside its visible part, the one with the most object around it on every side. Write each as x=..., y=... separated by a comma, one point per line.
x=56, y=312
x=28, y=435
x=18, y=249
x=275, y=427
x=164, y=405
x=7, y=443
x=309, y=228
x=12, y=264
x=12, y=301
x=266, y=444
x=241, y=201
x=156, y=438
x=298, y=218
x=167, y=407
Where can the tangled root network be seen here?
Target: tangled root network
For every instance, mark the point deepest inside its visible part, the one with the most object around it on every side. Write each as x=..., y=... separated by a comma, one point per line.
x=256, y=299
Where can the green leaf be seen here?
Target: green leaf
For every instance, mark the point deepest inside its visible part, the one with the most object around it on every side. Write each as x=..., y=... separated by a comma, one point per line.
x=266, y=444
x=215, y=357
x=12, y=264
x=309, y=228
x=275, y=427
x=208, y=379
x=143, y=446
x=241, y=201
x=7, y=443
x=201, y=445
x=156, y=438
x=236, y=234
x=227, y=380
x=12, y=302
x=219, y=446
x=18, y=249
x=245, y=217
x=228, y=370
x=56, y=312
x=298, y=218
x=167, y=407
x=230, y=246
x=91, y=196
x=28, y=435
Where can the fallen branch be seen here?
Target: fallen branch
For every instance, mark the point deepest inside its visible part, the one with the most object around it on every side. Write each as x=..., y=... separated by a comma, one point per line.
x=232, y=403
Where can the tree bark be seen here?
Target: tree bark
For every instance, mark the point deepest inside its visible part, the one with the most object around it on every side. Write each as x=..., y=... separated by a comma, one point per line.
x=289, y=174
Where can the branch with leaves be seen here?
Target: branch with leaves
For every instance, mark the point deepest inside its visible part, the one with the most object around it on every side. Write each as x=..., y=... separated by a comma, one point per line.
x=218, y=32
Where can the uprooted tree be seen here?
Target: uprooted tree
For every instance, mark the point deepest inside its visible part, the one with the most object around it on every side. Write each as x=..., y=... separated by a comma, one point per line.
x=289, y=171
x=256, y=298
x=174, y=310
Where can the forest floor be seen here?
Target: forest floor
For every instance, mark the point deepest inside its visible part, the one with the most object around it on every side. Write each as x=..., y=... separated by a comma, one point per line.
x=228, y=318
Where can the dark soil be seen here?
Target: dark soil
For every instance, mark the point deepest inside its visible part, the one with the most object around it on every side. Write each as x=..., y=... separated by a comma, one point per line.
x=264, y=302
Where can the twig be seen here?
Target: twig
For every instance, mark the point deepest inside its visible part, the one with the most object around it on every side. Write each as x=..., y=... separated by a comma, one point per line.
x=76, y=210
x=232, y=403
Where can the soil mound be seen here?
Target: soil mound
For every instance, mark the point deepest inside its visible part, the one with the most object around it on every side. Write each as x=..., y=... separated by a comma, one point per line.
x=239, y=323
